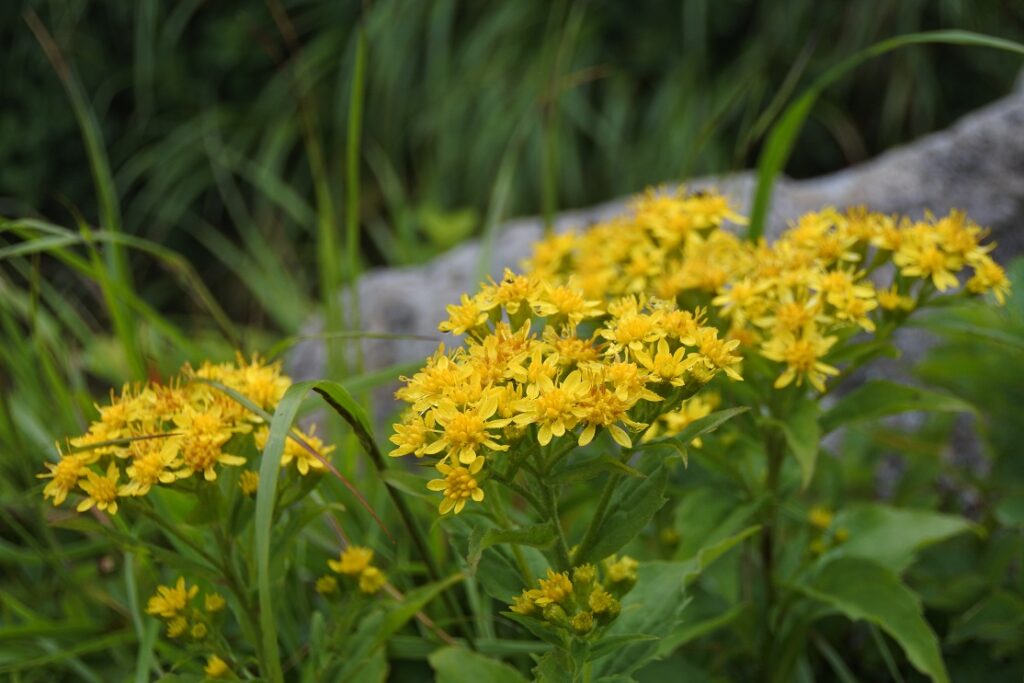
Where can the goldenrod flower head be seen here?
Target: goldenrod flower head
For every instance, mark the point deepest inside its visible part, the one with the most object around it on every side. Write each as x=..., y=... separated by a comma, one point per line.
x=177, y=626
x=352, y=561
x=249, y=482
x=820, y=517
x=413, y=435
x=583, y=623
x=102, y=490
x=802, y=356
x=603, y=602
x=64, y=476
x=459, y=485
x=216, y=667
x=305, y=456
x=198, y=631
x=554, y=408
x=554, y=589
x=213, y=602
x=989, y=276
x=465, y=316
x=526, y=603
x=621, y=569
x=153, y=462
x=326, y=584
x=168, y=602
x=466, y=430
x=371, y=580
x=666, y=365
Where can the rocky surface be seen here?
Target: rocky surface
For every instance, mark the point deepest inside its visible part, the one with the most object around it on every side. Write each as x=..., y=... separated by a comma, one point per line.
x=976, y=165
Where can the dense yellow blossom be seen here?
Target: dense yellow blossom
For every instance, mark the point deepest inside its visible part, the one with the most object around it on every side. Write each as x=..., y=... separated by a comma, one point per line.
x=356, y=564
x=157, y=434
x=610, y=329
x=589, y=600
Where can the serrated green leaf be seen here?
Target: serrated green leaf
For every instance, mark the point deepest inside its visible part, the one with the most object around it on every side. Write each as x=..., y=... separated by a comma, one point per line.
x=880, y=398
x=861, y=589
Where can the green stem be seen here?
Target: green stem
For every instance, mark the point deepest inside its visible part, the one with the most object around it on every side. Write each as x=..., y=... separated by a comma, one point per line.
x=590, y=535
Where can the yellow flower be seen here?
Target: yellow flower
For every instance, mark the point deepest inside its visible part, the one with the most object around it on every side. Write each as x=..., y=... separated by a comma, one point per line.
x=891, y=299
x=204, y=433
x=922, y=257
x=554, y=408
x=566, y=303
x=294, y=451
x=213, y=602
x=198, y=631
x=326, y=584
x=526, y=602
x=666, y=365
x=371, y=580
x=601, y=601
x=467, y=430
x=216, y=667
x=169, y=602
x=249, y=482
x=413, y=435
x=102, y=490
x=603, y=407
x=64, y=476
x=990, y=277
x=717, y=354
x=802, y=356
x=352, y=561
x=820, y=517
x=464, y=317
x=153, y=460
x=621, y=568
x=176, y=627
x=459, y=485
x=554, y=589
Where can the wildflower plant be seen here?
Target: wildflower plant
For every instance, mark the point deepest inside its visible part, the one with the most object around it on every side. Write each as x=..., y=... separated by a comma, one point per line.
x=618, y=453
x=556, y=427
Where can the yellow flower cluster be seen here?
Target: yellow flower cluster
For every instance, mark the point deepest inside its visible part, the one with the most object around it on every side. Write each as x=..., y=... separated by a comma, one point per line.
x=791, y=300
x=160, y=434
x=355, y=564
x=582, y=604
x=173, y=604
x=545, y=362
x=823, y=534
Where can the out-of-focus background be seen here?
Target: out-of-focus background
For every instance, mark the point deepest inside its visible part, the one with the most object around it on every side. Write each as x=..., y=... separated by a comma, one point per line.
x=218, y=117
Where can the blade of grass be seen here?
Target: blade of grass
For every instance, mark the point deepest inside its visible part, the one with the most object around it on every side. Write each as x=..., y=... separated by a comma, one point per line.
x=784, y=133
x=110, y=213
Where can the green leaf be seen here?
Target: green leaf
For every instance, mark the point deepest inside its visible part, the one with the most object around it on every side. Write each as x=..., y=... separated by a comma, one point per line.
x=695, y=566
x=880, y=398
x=459, y=665
x=632, y=507
x=270, y=468
x=892, y=536
x=589, y=468
x=374, y=632
x=694, y=430
x=537, y=536
x=997, y=618
x=861, y=589
x=783, y=135
x=612, y=642
x=803, y=434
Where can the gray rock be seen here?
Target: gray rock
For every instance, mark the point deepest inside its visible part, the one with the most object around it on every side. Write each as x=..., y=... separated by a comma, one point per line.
x=976, y=165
